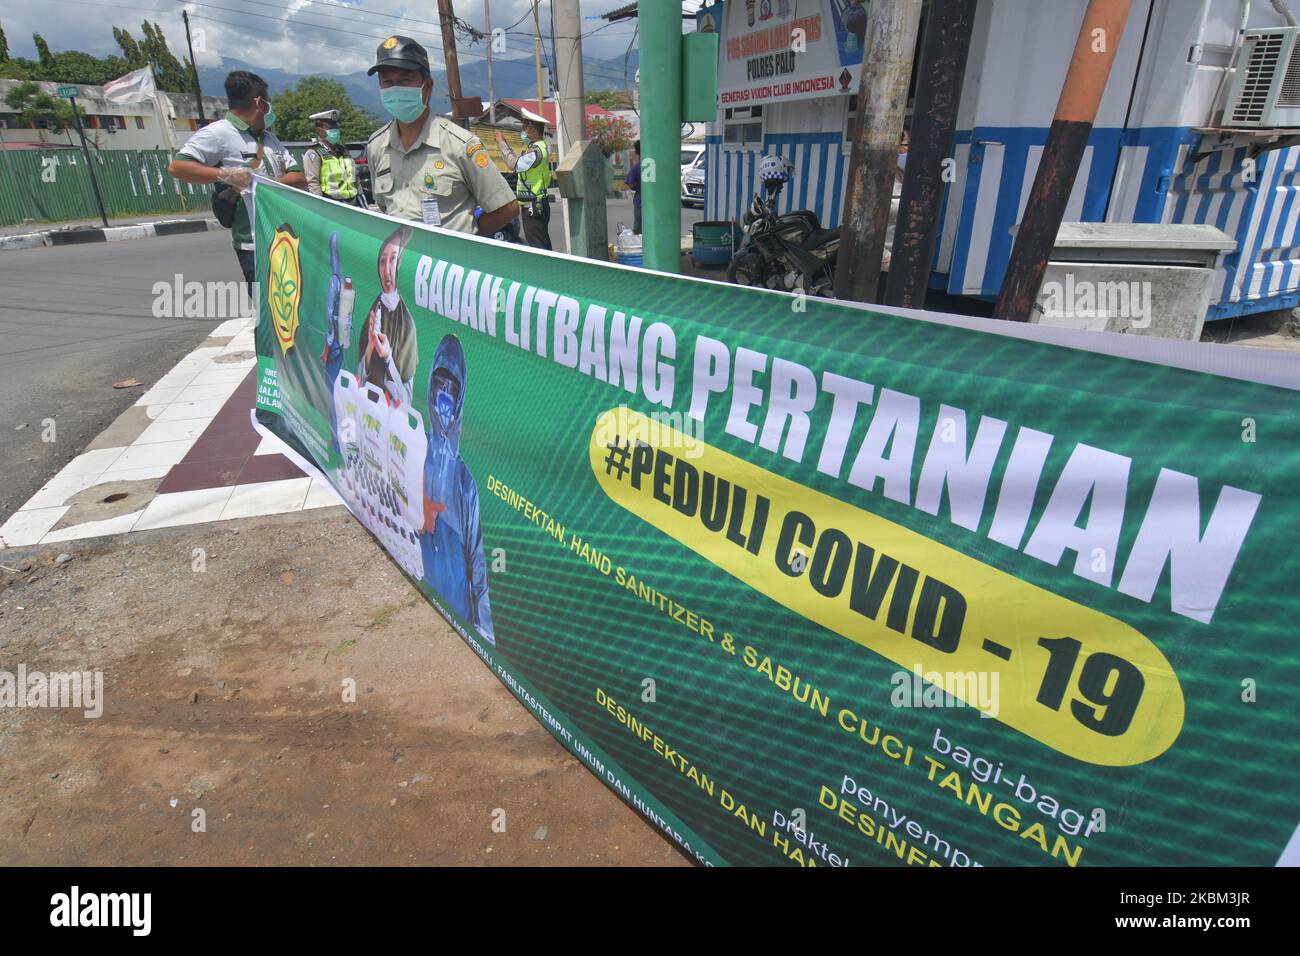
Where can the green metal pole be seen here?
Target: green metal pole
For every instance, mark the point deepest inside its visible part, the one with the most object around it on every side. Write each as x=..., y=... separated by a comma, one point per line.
x=661, y=136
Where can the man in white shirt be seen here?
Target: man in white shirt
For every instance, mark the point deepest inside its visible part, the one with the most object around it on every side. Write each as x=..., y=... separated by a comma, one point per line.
x=229, y=150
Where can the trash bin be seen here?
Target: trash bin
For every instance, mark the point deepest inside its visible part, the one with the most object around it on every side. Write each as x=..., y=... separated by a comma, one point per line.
x=1140, y=278
x=714, y=243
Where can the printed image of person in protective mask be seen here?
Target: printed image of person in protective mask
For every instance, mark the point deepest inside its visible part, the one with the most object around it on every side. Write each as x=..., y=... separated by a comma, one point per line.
x=452, y=538
x=387, y=340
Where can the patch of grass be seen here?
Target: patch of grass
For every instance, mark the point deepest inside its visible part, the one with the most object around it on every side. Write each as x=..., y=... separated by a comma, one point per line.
x=382, y=617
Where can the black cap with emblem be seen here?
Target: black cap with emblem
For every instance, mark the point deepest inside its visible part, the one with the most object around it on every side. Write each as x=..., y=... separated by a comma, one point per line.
x=401, y=53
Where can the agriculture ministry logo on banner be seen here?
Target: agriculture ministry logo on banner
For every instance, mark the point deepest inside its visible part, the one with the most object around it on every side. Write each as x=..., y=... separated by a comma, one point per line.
x=284, y=285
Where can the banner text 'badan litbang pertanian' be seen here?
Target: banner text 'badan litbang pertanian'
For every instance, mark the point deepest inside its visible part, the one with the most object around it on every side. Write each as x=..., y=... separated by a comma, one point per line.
x=805, y=583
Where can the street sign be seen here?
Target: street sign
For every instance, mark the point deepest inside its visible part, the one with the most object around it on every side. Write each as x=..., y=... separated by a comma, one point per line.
x=71, y=93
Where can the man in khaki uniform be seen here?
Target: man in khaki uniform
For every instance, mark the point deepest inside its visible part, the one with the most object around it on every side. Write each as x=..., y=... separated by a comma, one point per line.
x=423, y=166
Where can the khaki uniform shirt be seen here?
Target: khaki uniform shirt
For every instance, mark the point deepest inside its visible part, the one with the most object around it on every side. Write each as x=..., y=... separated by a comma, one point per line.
x=446, y=163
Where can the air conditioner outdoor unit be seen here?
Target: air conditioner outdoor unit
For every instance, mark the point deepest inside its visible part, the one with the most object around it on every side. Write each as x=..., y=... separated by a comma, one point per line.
x=1265, y=87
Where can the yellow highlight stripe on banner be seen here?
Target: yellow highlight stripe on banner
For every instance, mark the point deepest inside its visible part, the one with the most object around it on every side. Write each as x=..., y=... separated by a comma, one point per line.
x=1069, y=676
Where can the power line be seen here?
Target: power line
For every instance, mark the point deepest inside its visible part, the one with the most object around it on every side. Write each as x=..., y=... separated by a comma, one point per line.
x=606, y=72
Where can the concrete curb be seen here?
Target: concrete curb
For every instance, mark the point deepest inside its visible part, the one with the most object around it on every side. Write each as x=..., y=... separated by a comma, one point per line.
x=143, y=230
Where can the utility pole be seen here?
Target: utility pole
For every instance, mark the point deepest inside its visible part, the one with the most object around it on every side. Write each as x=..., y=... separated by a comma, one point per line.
x=568, y=65
x=194, y=67
x=537, y=53
x=447, y=17
x=492, y=93
x=944, y=48
x=873, y=164
x=1076, y=111
x=661, y=135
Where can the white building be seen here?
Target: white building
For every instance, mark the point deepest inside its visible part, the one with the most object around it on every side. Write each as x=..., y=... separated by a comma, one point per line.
x=111, y=125
x=1158, y=152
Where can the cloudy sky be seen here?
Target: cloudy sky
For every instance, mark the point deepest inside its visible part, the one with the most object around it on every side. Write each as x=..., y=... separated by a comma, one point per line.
x=301, y=36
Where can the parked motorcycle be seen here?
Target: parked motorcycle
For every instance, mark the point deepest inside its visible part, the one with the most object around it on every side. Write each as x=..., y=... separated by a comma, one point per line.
x=790, y=252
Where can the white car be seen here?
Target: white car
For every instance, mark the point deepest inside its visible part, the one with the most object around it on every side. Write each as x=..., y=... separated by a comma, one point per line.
x=692, y=175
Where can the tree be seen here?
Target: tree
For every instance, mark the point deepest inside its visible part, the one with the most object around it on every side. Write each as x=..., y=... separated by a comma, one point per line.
x=130, y=49
x=171, y=75
x=43, y=51
x=37, y=107
x=4, y=45
x=313, y=94
x=16, y=69
x=73, y=66
x=612, y=134
x=610, y=99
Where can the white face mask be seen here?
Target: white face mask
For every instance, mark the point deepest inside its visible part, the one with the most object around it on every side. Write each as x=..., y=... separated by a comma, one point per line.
x=390, y=299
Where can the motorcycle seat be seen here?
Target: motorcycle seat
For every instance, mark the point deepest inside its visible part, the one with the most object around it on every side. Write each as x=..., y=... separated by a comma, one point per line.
x=820, y=237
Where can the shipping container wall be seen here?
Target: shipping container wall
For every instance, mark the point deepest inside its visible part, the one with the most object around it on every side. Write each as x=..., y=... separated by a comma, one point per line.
x=1148, y=158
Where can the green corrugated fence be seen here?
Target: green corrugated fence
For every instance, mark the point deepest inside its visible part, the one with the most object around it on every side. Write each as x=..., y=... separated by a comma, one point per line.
x=54, y=185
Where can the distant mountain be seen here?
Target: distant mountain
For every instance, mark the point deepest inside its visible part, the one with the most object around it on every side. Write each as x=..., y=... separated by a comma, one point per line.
x=512, y=79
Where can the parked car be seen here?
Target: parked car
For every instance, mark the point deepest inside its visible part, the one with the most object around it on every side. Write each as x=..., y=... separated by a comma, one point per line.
x=692, y=175
x=358, y=152
x=692, y=153
x=693, y=186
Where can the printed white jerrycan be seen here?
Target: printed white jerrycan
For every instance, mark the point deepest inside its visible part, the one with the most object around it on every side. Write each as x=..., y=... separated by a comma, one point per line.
x=372, y=415
x=346, y=403
x=407, y=444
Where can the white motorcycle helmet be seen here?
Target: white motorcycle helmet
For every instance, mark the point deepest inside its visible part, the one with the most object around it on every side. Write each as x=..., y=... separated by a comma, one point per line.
x=773, y=169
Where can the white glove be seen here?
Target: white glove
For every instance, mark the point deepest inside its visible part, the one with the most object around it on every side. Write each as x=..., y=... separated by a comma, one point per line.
x=237, y=177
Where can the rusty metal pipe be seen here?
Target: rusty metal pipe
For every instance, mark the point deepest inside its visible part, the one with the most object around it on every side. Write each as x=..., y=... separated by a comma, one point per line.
x=1076, y=111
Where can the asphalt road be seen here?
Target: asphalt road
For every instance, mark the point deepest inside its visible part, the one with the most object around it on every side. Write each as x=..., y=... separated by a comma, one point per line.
x=76, y=319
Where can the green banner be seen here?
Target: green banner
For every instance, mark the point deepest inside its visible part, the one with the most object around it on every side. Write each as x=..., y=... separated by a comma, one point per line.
x=810, y=584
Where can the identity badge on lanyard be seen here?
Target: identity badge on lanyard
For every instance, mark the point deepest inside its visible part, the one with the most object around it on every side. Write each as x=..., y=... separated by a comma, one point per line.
x=429, y=212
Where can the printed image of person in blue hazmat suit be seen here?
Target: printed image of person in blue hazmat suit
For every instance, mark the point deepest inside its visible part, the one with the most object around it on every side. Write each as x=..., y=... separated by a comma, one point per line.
x=452, y=538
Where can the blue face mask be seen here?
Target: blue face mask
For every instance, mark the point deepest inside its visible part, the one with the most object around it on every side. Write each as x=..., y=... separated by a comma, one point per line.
x=403, y=103
x=446, y=408
x=333, y=136
x=524, y=138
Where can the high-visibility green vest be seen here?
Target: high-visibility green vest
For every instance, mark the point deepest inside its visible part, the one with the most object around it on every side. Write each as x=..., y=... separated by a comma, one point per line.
x=533, y=183
x=338, y=175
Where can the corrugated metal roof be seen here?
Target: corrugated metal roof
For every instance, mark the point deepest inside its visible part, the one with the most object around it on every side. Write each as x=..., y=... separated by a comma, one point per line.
x=628, y=11
x=622, y=13
x=529, y=107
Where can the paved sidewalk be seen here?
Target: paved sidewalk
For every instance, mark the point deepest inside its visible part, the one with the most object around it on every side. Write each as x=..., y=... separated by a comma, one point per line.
x=22, y=228
x=184, y=454
x=65, y=236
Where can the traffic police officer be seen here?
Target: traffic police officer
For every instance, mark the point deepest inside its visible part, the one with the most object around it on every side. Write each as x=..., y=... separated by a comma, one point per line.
x=328, y=165
x=533, y=178
x=423, y=166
